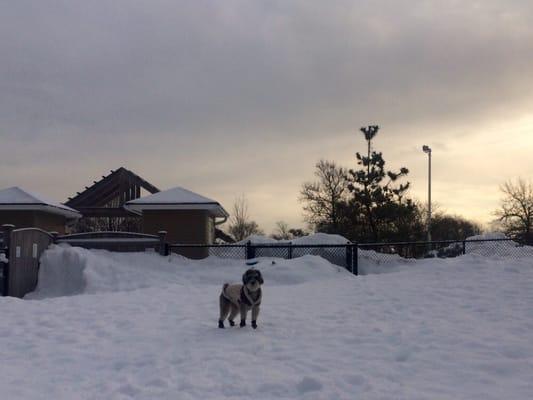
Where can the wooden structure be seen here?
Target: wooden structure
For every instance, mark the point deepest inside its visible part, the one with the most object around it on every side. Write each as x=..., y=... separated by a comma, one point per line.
x=106, y=198
x=24, y=248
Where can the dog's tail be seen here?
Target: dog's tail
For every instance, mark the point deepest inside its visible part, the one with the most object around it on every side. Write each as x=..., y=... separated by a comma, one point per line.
x=224, y=294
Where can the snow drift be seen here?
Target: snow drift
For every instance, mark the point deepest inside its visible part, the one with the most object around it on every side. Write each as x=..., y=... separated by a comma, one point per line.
x=316, y=238
x=67, y=271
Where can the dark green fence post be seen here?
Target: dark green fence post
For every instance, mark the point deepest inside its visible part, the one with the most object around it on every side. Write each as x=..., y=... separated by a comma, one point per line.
x=250, y=250
x=464, y=247
x=355, y=258
x=162, y=243
x=349, y=257
x=290, y=250
x=6, y=232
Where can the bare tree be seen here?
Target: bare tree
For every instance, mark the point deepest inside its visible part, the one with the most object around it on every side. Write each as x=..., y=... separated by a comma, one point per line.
x=322, y=198
x=282, y=231
x=240, y=224
x=516, y=212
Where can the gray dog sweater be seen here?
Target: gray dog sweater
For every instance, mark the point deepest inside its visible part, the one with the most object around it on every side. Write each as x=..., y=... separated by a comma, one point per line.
x=238, y=294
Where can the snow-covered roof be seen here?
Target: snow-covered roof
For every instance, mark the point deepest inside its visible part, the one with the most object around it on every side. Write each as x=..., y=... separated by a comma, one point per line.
x=15, y=198
x=176, y=198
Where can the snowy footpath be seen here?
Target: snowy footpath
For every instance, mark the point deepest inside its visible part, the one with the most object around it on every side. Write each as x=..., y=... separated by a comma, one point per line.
x=141, y=326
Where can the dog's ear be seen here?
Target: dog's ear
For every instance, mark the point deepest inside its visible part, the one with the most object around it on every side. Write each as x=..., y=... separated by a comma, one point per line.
x=260, y=277
x=245, y=277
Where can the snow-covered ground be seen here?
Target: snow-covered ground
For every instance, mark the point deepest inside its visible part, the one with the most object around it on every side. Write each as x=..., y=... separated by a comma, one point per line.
x=141, y=326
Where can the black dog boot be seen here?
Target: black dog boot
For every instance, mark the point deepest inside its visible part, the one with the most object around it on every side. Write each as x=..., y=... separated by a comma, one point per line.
x=221, y=324
x=243, y=323
x=254, y=324
x=231, y=323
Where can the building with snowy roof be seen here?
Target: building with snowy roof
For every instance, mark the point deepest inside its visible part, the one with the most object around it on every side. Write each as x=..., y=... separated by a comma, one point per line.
x=188, y=217
x=117, y=202
x=26, y=209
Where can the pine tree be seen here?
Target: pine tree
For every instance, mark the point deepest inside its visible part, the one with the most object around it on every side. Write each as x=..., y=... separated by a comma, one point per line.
x=380, y=202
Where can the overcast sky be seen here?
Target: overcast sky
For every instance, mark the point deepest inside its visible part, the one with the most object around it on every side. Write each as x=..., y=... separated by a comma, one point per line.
x=231, y=97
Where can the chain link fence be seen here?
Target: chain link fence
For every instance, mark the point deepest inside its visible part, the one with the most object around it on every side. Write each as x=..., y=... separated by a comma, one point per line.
x=341, y=255
x=228, y=251
x=349, y=255
x=492, y=248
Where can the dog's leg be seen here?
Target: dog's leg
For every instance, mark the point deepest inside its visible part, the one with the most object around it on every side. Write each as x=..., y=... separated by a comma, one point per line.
x=224, y=310
x=244, y=311
x=255, y=314
x=233, y=314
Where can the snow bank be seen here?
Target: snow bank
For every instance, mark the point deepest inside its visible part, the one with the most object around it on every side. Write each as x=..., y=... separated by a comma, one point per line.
x=334, y=255
x=320, y=238
x=488, y=236
x=316, y=238
x=68, y=271
x=260, y=239
x=372, y=262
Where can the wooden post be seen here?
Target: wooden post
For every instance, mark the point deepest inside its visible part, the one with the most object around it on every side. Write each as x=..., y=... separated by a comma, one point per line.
x=162, y=243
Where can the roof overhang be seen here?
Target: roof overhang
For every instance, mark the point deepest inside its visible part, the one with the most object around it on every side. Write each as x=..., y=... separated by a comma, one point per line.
x=66, y=212
x=214, y=209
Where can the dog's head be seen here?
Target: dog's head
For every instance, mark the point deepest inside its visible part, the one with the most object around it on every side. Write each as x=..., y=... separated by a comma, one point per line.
x=252, y=279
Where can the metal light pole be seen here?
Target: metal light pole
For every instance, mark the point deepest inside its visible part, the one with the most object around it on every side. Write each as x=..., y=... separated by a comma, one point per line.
x=427, y=150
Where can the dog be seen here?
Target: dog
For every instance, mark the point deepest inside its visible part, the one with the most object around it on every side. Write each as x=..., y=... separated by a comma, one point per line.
x=238, y=298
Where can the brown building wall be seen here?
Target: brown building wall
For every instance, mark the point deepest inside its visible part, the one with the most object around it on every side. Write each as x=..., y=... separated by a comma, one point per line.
x=183, y=227
x=50, y=222
x=21, y=219
x=33, y=219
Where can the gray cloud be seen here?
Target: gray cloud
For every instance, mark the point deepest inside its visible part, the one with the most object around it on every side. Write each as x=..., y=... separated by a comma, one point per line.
x=200, y=92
